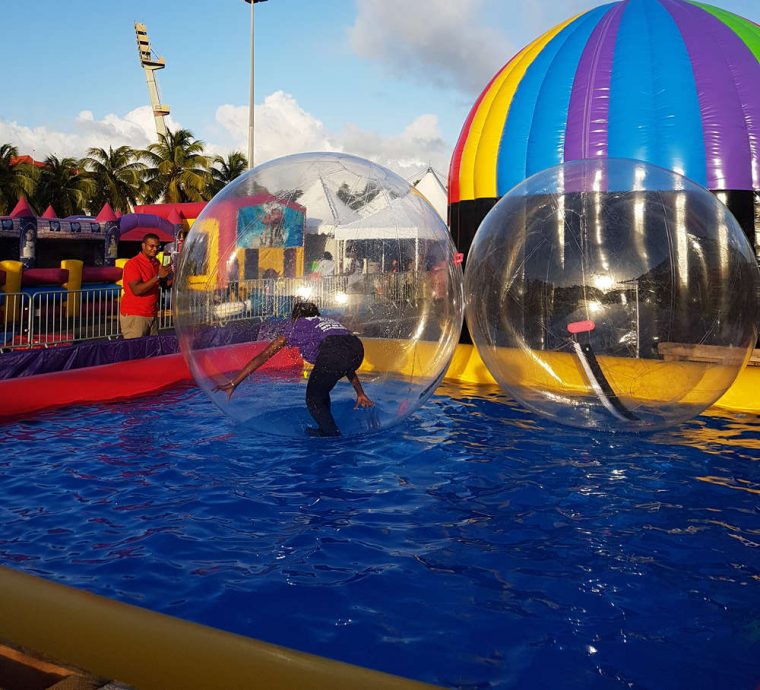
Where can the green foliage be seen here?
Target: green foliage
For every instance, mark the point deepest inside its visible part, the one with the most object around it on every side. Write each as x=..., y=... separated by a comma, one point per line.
x=174, y=169
x=16, y=179
x=118, y=177
x=355, y=199
x=225, y=170
x=64, y=184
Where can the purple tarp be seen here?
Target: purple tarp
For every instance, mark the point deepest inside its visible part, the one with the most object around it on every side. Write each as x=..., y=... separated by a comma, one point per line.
x=87, y=354
x=96, y=352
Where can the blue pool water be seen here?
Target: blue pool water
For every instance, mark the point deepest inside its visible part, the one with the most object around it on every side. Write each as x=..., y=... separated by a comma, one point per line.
x=474, y=546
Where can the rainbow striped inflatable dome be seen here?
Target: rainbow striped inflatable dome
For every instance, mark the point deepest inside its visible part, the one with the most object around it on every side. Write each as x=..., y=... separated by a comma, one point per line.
x=670, y=82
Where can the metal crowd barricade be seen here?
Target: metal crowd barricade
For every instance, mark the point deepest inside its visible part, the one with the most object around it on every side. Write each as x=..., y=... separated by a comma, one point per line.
x=14, y=318
x=263, y=298
x=165, y=314
x=48, y=318
x=56, y=317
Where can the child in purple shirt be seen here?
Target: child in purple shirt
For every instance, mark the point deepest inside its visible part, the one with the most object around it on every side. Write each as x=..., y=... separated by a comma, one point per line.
x=333, y=350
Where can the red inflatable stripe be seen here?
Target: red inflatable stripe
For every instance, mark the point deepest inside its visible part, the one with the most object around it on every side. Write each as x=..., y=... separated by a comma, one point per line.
x=118, y=381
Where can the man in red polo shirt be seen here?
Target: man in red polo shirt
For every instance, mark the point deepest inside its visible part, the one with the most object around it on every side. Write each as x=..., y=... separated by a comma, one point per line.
x=141, y=279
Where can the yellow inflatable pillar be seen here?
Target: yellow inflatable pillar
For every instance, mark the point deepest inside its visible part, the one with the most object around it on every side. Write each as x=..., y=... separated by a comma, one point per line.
x=13, y=270
x=298, y=272
x=73, y=285
x=120, y=264
x=271, y=258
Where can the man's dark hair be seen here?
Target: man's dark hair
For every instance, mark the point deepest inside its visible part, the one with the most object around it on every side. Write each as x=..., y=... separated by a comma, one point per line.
x=304, y=309
x=327, y=256
x=150, y=236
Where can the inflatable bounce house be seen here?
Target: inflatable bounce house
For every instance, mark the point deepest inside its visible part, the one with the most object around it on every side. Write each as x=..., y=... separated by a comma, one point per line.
x=60, y=298
x=169, y=221
x=273, y=245
x=39, y=268
x=668, y=82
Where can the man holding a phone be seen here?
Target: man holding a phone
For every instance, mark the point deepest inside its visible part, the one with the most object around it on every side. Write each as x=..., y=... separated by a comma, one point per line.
x=142, y=276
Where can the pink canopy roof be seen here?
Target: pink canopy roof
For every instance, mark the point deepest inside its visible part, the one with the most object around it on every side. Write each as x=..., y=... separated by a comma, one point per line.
x=190, y=209
x=137, y=233
x=22, y=209
x=106, y=214
x=175, y=217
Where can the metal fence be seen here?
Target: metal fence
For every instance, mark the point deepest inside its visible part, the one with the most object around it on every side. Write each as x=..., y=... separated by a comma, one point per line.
x=262, y=299
x=48, y=318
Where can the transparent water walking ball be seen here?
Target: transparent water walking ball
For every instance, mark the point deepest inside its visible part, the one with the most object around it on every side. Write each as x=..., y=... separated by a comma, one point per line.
x=346, y=234
x=612, y=294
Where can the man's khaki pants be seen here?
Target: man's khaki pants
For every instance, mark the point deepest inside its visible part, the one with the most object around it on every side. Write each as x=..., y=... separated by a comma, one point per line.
x=138, y=326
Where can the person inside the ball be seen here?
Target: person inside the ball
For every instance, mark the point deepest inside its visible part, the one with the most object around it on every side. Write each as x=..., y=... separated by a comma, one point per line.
x=334, y=351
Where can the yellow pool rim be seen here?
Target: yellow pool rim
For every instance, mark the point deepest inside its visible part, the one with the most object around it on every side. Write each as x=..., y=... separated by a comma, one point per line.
x=153, y=651
x=468, y=367
x=651, y=379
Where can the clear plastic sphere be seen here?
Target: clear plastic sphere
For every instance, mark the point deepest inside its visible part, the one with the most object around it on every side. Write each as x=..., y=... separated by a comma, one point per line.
x=346, y=234
x=612, y=294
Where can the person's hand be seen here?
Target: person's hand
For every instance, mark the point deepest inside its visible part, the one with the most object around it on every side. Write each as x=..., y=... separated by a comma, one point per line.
x=363, y=401
x=228, y=388
x=164, y=271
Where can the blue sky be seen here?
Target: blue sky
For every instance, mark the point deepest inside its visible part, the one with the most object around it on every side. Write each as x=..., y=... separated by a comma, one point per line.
x=391, y=80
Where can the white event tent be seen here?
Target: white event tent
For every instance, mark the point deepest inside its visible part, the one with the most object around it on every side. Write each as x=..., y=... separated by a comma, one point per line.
x=324, y=210
x=401, y=219
x=433, y=188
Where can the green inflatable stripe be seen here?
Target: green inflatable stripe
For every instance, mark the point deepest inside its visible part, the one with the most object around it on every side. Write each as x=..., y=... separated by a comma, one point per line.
x=748, y=31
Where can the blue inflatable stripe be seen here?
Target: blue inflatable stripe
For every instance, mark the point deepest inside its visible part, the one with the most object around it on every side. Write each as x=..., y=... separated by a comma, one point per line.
x=553, y=104
x=534, y=133
x=654, y=110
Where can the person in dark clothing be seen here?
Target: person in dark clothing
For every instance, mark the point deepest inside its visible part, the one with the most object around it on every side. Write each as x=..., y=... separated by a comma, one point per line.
x=333, y=350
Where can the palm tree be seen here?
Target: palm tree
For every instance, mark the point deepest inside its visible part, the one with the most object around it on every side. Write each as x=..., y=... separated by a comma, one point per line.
x=15, y=178
x=177, y=170
x=356, y=200
x=226, y=170
x=118, y=177
x=64, y=184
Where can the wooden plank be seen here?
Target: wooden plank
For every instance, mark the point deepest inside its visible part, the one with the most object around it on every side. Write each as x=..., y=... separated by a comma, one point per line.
x=700, y=353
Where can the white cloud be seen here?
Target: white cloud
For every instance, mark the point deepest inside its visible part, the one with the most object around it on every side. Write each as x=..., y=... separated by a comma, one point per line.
x=282, y=126
x=418, y=145
x=437, y=41
x=135, y=129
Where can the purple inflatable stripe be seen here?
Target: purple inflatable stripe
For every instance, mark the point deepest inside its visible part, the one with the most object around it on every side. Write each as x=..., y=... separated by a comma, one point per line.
x=587, y=129
x=726, y=76
x=130, y=221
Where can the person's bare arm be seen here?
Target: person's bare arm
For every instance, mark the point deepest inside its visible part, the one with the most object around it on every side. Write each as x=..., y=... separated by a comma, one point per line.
x=267, y=353
x=141, y=287
x=361, y=397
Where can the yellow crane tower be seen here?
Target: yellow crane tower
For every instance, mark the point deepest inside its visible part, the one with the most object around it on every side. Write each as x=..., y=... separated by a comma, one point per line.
x=150, y=63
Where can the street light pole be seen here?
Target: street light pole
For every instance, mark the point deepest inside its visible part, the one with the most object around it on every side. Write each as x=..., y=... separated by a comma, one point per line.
x=250, y=95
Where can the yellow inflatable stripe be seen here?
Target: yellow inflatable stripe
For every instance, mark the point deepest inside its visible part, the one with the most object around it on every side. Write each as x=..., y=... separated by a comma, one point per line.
x=477, y=170
x=470, y=149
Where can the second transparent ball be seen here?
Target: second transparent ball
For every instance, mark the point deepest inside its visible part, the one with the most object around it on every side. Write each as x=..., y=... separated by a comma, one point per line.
x=612, y=294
